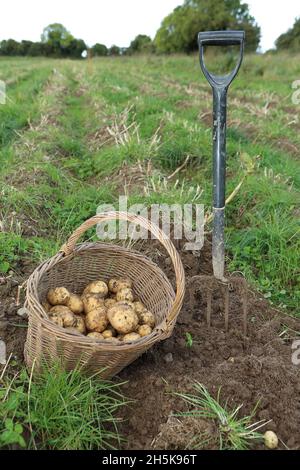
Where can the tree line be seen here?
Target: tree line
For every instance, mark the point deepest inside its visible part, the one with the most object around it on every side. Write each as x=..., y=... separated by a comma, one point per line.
x=291, y=39
x=177, y=33
x=56, y=41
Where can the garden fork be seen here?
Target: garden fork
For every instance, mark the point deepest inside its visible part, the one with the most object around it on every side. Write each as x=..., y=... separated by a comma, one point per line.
x=220, y=85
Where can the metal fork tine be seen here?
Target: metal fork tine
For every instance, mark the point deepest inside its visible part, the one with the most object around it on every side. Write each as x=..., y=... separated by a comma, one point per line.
x=208, y=285
x=226, y=307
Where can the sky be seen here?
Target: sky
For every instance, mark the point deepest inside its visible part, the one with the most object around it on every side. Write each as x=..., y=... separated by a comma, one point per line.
x=119, y=21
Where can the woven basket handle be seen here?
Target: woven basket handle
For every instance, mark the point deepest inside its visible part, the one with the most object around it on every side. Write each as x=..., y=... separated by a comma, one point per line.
x=69, y=246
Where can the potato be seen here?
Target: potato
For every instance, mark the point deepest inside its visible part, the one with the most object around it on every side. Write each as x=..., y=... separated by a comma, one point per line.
x=91, y=302
x=107, y=334
x=65, y=313
x=125, y=294
x=80, y=325
x=96, y=287
x=112, y=310
x=139, y=307
x=144, y=330
x=58, y=296
x=125, y=283
x=57, y=319
x=59, y=309
x=271, y=440
x=96, y=320
x=69, y=319
x=109, y=302
x=123, y=318
x=117, y=284
x=131, y=337
x=147, y=318
x=113, y=285
x=95, y=335
x=75, y=304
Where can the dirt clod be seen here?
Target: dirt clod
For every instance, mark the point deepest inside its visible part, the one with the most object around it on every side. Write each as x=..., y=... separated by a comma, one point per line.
x=168, y=358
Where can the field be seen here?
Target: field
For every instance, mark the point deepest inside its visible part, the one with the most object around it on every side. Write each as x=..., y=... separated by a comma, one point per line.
x=77, y=134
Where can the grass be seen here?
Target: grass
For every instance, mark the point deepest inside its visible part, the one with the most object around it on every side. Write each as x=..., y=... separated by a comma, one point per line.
x=75, y=135
x=21, y=106
x=16, y=248
x=59, y=410
x=233, y=432
x=64, y=149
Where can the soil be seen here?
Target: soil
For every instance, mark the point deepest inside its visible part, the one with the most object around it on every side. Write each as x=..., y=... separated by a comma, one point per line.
x=13, y=328
x=254, y=369
x=251, y=369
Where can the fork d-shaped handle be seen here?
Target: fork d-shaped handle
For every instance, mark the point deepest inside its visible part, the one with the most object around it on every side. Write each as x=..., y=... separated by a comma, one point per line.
x=221, y=38
x=220, y=86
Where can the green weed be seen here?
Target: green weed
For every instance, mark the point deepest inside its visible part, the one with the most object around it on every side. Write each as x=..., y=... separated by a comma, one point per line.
x=233, y=432
x=59, y=410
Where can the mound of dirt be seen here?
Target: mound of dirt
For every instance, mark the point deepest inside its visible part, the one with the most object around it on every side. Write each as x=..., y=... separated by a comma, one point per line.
x=251, y=369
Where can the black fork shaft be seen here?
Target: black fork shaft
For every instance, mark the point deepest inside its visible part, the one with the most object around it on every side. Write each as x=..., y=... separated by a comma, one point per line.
x=219, y=146
x=219, y=178
x=220, y=85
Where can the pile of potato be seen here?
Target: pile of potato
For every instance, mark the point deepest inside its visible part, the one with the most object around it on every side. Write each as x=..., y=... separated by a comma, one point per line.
x=104, y=311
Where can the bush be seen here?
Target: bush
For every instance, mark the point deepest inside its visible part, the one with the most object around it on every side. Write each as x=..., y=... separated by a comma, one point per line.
x=178, y=32
x=291, y=39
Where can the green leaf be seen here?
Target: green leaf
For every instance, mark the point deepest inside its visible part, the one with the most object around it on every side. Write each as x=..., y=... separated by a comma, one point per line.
x=4, y=266
x=189, y=339
x=21, y=441
x=9, y=424
x=18, y=428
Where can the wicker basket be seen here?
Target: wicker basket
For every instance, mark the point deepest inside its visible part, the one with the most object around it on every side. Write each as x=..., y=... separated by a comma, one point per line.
x=76, y=265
